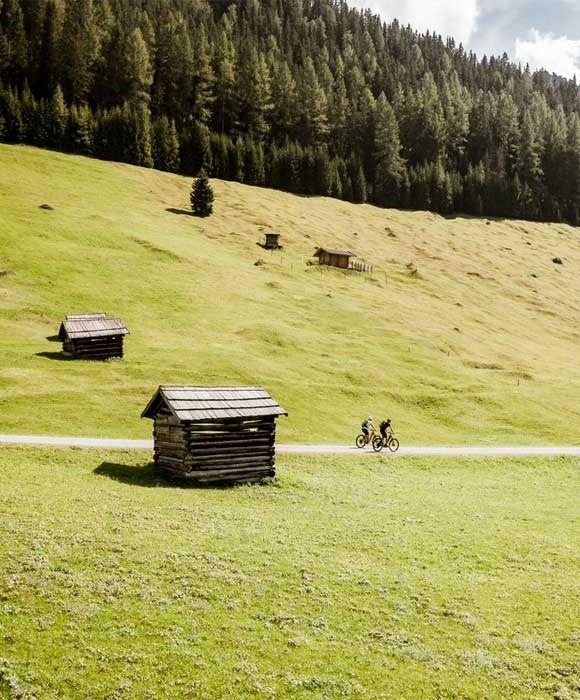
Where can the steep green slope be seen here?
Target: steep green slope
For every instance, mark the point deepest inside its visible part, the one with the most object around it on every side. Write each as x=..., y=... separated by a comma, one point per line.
x=480, y=344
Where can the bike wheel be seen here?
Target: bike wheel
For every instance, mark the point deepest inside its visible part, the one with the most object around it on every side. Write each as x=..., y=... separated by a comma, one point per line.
x=360, y=441
x=378, y=443
x=394, y=445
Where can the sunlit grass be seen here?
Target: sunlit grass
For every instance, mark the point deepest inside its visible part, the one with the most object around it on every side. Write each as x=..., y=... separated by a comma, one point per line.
x=368, y=577
x=481, y=346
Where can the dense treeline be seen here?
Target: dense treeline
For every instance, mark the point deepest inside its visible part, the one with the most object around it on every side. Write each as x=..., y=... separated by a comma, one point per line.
x=308, y=96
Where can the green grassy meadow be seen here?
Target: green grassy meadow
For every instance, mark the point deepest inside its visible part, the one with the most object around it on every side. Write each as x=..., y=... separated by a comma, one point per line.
x=479, y=345
x=364, y=578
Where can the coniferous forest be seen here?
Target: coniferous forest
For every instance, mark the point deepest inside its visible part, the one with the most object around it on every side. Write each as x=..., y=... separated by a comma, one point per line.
x=308, y=96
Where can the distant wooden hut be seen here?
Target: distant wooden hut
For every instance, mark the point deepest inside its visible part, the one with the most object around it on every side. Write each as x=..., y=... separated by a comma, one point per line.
x=94, y=336
x=214, y=433
x=272, y=241
x=335, y=258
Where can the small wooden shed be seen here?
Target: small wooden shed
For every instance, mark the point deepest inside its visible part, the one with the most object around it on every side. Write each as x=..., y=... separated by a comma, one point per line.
x=335, y=258
x=272, y=241
x=94, y=336
x=220, y=433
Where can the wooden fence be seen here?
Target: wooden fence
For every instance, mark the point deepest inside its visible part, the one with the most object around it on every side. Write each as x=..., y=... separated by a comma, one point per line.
x=358, y=266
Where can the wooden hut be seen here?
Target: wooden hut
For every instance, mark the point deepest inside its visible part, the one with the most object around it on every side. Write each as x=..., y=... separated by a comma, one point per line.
x=335, y=258
x=272, y=241
x=94, y=336
x=214, y=433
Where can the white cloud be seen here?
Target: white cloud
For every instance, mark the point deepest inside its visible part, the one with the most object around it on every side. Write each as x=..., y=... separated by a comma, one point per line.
x=456, y=18
x=556, y=54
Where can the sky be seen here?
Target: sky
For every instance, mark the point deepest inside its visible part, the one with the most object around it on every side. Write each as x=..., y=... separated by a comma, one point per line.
x=543, y=33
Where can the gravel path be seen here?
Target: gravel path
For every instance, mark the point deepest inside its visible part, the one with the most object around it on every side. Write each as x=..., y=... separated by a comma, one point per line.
x=516, y=451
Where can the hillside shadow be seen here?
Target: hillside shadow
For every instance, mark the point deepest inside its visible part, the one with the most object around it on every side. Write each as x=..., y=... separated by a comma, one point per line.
x=148, y=476
x=53, y=339
x=180, y=212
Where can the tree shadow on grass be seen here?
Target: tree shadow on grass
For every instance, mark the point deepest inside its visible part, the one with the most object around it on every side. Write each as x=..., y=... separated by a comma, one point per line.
x=149, y=476
x=180, y=212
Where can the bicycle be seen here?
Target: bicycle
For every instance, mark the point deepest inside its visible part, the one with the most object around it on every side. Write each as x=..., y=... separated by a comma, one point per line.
x=362, y=439
x=389, y=441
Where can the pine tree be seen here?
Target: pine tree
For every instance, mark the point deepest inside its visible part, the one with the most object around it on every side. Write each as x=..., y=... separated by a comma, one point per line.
x=138, y=73
x=79, y=50
x=58, y=119
x=81, y=130
x=165, y=145
x=203, y=78
x=14, y=44
x=48, y=64
x=225, y=75
x=174, y=69
x=358, y=182
x=236, y=161
x=11, y=111
x=220, y=145
x=389, y=166
x=201, y=196
x=313, y=105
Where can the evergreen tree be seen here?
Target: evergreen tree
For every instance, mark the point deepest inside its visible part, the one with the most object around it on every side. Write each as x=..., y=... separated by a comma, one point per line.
x=81, y=130
x=202, y=196
x=58, y=119
x=79, y=49
x=313, y=104
x=358, y=182
x=236, y=161
x=138, y=73
x=389, y=166
x=14, y=44
x=165, y=145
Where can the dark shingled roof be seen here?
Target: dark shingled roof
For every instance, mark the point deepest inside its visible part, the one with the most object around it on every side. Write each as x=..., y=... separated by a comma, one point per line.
x=203, y=403
x=92, y=327
x=79, y=317
x=333, y=251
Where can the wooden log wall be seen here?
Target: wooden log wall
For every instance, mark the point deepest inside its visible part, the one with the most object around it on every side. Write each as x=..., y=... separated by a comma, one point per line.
x=239, y=450
x=99, y=348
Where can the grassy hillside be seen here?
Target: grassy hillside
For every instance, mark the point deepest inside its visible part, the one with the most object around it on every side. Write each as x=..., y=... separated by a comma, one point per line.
x=437, y=579
x=480, y=344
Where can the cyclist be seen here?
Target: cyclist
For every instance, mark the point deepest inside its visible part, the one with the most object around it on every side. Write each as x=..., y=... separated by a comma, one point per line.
x=368, y=427
x=384, y=428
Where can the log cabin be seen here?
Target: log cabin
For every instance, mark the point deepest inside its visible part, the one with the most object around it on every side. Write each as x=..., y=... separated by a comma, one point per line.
x=334, y=258
x=214, y=434
x=92, y=336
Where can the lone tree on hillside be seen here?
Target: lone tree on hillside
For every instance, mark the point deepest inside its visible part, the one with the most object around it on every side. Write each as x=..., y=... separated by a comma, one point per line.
x=201, y=196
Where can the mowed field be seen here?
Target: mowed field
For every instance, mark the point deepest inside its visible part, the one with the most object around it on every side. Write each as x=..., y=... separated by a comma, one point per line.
x=367, y=578
x=466, y=332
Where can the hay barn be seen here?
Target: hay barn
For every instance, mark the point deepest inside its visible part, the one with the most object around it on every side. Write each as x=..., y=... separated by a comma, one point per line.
x=272, y=241
x=94, y=336
x=334, y=258
x=215, y=434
